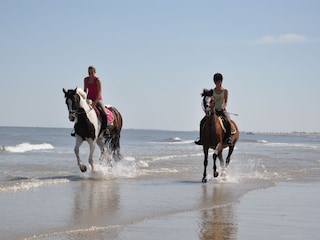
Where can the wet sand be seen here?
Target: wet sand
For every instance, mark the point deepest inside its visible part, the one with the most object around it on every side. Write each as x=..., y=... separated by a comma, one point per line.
x=287, y=211
x=163, y=209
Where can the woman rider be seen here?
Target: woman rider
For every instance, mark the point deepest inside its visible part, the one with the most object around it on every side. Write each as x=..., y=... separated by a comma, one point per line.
x=93, y=86
x=220, y=99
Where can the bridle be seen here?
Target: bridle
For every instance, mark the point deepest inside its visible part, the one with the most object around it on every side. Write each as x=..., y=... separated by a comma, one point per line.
x=73, y=104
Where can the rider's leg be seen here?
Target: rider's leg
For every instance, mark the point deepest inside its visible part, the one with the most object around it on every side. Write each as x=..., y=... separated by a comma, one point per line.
x=228, y=129
x=100, y=105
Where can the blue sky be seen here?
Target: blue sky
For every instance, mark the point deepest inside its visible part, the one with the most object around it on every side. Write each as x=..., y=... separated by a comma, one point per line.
x=155, y=57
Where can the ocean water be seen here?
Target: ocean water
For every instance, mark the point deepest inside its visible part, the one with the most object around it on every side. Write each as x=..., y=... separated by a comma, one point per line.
x=36, y=156
x=42, y=188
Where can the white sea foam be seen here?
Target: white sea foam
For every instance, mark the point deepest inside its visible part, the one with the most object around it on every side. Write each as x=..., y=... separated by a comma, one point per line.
x=26, y=147
x=167, y=157
x=30, y=184
x=294, y=145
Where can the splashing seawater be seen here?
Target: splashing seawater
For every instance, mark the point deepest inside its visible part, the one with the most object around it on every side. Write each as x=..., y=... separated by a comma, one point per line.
x=126, y=168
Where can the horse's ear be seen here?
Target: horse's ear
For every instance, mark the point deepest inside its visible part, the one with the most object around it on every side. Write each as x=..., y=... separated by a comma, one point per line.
x=64, y=91
x=75, y=89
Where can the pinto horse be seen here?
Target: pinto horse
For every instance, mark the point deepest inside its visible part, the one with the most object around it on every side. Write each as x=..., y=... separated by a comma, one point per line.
x=214, y=137
x=88, y=127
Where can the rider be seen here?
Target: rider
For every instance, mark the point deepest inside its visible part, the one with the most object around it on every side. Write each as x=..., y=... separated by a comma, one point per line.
x=93, y=87
x=220, y=100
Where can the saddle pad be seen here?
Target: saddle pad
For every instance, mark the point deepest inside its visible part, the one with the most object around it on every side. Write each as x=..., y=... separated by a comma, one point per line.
x=221, y=123
x=233, y=130
x=109, y=115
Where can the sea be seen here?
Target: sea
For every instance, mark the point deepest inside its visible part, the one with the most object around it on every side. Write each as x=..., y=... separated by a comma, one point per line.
x=155, y=186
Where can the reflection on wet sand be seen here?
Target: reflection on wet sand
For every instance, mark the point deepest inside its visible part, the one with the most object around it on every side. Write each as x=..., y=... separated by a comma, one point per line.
x=96, y=203
x=220, y=221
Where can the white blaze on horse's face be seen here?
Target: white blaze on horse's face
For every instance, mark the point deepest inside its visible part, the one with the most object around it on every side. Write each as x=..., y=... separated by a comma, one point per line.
x=71, y=112
x=208, y=103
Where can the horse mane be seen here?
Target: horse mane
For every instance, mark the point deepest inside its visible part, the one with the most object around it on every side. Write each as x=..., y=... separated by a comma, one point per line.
x=81, y=93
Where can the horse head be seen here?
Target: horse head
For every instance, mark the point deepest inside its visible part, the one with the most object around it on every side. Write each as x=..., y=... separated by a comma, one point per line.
x=207, y=102
x=208, y=105
x=73, y=103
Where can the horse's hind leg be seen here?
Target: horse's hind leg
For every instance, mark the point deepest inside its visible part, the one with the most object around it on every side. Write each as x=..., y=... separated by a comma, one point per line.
x=103, y=150
x=115, y=146
x=110, y=158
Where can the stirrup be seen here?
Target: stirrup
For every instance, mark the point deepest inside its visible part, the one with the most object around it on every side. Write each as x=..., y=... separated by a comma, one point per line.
x=198, y=142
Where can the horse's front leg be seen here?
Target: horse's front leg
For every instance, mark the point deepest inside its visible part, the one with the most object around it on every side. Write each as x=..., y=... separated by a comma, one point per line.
x=79, y=141
x=217, y=153
x=215, y=172
x=229, y=155
x=223, y=168
x=92, y=146
x=205, y=164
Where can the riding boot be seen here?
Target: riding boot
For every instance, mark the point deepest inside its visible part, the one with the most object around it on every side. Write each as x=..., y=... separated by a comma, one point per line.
x=199, y=142
x=73, y=133
x=228, y=134
x=103, y=118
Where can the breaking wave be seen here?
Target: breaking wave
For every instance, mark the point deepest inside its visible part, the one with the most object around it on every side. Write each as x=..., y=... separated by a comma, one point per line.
x=26, y=147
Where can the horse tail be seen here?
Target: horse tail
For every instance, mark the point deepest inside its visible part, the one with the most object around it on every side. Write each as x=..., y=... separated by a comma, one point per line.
x=114, y=141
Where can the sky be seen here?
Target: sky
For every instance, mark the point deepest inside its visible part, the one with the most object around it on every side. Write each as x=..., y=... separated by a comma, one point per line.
x=155, y=57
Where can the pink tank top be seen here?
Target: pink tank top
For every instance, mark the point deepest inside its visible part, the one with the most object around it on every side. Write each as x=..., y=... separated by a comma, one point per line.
x=92, y=89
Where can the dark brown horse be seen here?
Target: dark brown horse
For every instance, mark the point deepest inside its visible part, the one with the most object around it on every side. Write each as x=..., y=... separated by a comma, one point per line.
x=214, y=137
x=88, y=127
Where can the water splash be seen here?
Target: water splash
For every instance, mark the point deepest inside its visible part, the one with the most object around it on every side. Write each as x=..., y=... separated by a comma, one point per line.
x=126, y=168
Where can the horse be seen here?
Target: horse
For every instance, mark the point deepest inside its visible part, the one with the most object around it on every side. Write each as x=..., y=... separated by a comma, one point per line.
x=213, y=134
x=88, y=127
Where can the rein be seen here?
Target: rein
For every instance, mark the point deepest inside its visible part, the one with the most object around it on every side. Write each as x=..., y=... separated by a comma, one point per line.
x=77, y=112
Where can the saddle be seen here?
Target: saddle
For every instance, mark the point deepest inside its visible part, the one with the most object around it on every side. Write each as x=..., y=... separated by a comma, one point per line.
x=224, y=124
x=110, y=117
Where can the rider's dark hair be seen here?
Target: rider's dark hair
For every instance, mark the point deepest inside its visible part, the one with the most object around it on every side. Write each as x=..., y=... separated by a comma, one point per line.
x=217, y=77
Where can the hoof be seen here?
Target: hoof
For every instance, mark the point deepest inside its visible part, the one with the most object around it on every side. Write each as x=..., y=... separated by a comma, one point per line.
x=215, y=174
x=204, y=180
x=83, y=168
